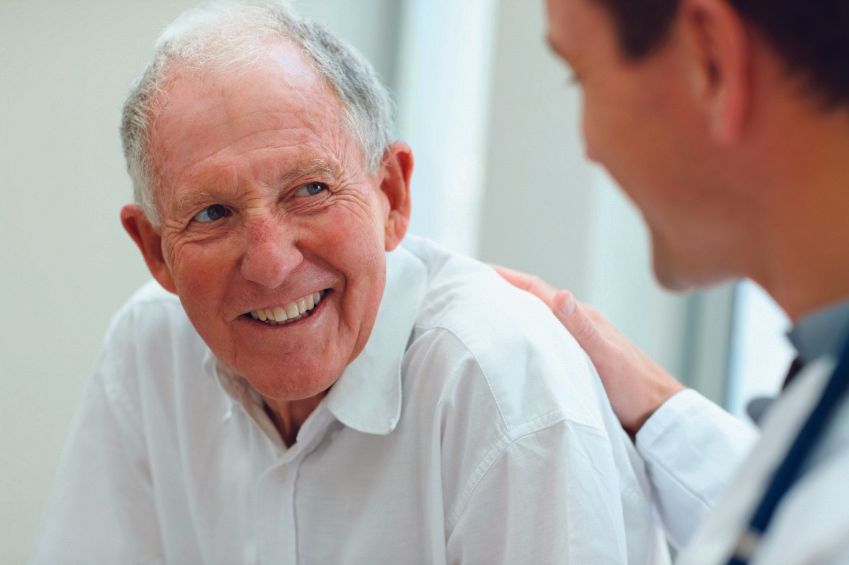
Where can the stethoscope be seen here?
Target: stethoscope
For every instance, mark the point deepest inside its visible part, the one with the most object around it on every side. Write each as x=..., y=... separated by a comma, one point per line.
x=790, y=469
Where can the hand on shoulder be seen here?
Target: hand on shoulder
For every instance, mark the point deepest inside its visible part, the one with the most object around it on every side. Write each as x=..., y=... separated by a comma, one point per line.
x=635, y=384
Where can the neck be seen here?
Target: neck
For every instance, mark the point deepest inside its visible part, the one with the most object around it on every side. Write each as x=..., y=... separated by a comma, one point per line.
x=289, y=415
x=804, y=222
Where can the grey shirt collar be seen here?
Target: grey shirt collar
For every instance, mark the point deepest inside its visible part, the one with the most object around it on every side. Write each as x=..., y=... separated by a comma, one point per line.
x=822, y=332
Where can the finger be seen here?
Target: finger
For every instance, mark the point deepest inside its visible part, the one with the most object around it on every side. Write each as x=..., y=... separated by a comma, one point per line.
x=594, y=314
x=563, y=305
x=529, y=283
x=574, y=317
x=514, y=277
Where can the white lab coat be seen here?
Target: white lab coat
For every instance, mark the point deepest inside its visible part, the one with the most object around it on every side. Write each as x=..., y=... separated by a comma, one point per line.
x=692, y=452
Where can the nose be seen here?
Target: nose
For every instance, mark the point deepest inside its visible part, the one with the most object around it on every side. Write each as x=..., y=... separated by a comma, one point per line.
x=271, y=253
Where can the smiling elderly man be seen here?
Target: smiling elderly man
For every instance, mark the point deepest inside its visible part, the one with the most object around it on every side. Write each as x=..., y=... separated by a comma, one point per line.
x=299, y=395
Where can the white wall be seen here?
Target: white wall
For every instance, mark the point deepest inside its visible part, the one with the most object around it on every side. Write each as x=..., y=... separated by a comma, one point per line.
x=65, y=263
x=537, y=210
x=443, y=70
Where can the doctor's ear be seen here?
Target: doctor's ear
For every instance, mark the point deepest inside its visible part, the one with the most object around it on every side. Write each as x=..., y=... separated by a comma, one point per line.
x=395, y=173
x=149, y=242
x=720, y=57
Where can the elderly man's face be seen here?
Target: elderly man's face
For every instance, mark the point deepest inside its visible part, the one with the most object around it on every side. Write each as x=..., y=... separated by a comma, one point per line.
x=273, y=234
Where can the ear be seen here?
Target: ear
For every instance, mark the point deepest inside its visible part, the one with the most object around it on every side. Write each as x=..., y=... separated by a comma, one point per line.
x=395, y=172
x=720, y=59
x=149, y=242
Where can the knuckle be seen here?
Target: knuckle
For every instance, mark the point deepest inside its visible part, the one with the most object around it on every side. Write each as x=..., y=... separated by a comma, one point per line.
x=593, y=313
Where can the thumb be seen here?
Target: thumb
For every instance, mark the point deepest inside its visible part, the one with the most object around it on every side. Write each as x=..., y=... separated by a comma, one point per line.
x=571, y=315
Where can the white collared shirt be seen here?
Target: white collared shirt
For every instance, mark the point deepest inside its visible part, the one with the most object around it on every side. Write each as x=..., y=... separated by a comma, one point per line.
x=693, y=451
x=472, y=429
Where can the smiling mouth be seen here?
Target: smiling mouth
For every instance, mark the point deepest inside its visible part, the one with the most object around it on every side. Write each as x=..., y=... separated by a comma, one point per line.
x=289, y=313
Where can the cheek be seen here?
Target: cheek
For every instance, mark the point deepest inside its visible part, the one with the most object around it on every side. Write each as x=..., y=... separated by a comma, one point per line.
x=354, y=225
x=595, y=127
x=588, y=134
x=614, y=129
x=202, y=270
x=353, y=245
x=600, y=120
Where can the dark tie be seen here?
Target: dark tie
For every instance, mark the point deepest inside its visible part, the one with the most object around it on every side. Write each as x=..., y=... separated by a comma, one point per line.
x=795, y=368
x=758, y=406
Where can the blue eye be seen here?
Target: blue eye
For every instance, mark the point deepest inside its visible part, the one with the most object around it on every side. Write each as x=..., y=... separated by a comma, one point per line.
x=311, y=189
x=212, y=213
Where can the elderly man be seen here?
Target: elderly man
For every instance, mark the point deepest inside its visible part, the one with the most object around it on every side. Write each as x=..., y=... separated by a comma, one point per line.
x=299, y=395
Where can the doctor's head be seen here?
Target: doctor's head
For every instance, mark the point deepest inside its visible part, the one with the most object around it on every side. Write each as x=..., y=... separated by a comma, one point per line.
x=690, y=103
x=267, y=189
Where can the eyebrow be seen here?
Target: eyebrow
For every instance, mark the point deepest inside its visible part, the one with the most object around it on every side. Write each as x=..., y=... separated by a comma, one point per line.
x=311, y=168
x=302, y=170
x=192, y=200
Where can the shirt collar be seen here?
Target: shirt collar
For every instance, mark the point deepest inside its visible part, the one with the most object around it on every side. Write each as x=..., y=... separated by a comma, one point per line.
x=240, y=392
x=821, y=333
x=367, y=397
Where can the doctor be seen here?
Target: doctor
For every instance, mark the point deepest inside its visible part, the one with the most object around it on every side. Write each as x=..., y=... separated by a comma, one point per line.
x=727, y=123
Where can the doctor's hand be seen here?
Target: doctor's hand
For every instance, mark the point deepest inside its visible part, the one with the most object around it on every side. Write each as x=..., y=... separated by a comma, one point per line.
x=635, y=384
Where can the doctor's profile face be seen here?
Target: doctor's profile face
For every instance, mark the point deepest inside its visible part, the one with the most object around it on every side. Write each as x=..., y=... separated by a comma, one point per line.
x=641, y=122
x=273, y=234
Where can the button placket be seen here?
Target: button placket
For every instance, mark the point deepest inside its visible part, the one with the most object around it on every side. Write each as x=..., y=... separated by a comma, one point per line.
x=275, y=491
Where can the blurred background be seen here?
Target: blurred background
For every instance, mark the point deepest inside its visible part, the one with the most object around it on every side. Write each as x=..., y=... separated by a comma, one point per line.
x=500, y=175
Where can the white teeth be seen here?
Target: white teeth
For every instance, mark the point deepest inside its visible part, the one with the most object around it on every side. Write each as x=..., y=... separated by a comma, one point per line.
x=290, y=312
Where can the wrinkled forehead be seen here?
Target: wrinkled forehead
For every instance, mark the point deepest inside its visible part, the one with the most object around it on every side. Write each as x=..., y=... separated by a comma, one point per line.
x=203, y=108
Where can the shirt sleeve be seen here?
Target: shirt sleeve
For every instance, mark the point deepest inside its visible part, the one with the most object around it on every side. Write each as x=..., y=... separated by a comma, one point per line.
x=102, y=509
x=691, y=448
x=548, y=497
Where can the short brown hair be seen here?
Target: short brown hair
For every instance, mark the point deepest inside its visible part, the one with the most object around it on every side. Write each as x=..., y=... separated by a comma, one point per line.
x=812, y=37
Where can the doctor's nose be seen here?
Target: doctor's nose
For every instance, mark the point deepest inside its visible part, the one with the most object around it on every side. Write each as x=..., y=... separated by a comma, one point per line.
x=270, y=253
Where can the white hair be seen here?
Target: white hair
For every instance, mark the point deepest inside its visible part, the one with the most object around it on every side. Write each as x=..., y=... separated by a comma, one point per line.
x=233, y=34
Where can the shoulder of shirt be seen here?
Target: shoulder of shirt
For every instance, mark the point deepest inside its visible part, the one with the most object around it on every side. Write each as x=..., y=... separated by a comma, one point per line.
x=532, y=368
x=153, y=319
x=151, y=303
x=149, y=341
x=150, y=292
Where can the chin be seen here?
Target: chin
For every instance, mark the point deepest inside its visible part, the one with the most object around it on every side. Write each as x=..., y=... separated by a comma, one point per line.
x=665, y=268
x=669, y=278
x=687, y=274
x=273, y=383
